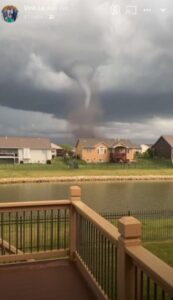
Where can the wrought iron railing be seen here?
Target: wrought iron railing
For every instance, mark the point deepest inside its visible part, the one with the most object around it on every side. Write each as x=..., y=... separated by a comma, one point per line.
x=150, y=281
x=146, y=288
x=99, y=254
x=33, y=228
x=30, y=231
x=157, y=225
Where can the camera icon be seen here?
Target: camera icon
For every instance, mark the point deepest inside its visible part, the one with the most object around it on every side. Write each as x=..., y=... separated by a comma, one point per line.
x=131, y=10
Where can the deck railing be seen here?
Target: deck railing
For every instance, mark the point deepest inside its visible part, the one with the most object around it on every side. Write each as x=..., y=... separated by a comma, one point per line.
x=96, y=249
x=34, y=229
x=111, y=259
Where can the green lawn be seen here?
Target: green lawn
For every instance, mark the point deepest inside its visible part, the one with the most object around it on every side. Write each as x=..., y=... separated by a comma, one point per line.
x=156, y=235
x=60, y=168
x=163, y=250
x=36, y=230
x=158, y=227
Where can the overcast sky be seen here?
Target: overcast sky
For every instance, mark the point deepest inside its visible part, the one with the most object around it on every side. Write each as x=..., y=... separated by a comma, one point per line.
x=78, y=68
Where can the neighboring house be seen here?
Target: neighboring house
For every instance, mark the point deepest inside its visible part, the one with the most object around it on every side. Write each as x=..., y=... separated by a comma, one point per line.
x=164, y=147
x=56, y=150
x=25, y=149
x=144, y=148
x=106, y=150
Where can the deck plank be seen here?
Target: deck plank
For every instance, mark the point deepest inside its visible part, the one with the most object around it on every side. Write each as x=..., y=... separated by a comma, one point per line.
x=48, y=280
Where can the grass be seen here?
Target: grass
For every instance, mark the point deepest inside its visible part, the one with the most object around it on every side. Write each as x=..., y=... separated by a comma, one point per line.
x=156, y=225
x=60, y=168
x=158, y=228
x=157, y=235
x=164, y=250
x=36, y=230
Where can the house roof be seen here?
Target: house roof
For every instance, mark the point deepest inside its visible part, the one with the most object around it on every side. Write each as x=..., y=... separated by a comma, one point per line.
x=148, y=145
x=168, y=139
x=55, y=146
x=126, y=142
x=24, y=142
x=92, y=142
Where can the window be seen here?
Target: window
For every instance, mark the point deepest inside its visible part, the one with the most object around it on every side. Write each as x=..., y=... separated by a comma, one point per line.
x=101, y=150
x=120, y=150
x=89, y=150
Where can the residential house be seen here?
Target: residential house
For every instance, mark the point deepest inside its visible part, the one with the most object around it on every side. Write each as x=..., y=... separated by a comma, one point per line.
x=106, y=150
x=145, y=148
x=25, y=150
x=164, y=147
x=56, y=150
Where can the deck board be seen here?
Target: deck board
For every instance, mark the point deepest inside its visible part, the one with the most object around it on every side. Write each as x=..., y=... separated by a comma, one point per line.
x=48, y=280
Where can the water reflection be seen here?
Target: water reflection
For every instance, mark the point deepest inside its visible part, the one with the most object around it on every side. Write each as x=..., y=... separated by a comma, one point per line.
x=104, y=196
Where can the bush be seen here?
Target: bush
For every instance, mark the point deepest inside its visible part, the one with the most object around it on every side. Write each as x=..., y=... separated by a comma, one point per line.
x=71, y=162
x=147, y=154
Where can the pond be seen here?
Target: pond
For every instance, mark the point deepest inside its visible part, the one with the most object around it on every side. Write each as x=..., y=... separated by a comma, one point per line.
x=103, y=197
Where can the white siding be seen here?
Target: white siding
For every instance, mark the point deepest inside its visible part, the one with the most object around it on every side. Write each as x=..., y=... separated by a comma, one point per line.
x=36, y=156
x=26, y=153
x=20, y=155
x=144, y=148
x=53, y=152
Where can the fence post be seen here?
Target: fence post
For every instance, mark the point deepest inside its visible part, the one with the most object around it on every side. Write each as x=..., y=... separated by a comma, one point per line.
x=130, y=233
x=75, y=195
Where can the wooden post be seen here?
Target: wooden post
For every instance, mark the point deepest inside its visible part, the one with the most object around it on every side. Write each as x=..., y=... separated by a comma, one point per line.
x=75, y=195
x=130, y=233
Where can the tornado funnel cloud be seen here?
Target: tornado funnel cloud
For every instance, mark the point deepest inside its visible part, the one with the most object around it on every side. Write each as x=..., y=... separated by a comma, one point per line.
x=82, y=74
x=83, y=122
x=87, y=90
x=84, y=118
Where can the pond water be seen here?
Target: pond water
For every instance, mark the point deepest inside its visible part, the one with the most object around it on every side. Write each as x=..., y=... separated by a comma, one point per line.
x=103, y=197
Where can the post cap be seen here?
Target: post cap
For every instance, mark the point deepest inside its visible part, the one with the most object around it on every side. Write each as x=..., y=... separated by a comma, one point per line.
x=129, y=227
x=75, y=191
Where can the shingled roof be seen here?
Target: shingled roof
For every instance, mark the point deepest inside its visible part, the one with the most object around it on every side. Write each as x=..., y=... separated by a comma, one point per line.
x=56, y=147
x=92, y=142
x=168, y=139
x=9, y=142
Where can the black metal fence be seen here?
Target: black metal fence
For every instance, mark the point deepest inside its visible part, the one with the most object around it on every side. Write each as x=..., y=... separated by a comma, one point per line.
x=157, y=225
x=34, y=231
x=148, y=164
x=99, y=255
x=146, y=288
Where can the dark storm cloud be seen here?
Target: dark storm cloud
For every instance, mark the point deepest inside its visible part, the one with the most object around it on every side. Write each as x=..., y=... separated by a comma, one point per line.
x=130, y=58
x=119, y=106
x=123, y=107
x=24, y=98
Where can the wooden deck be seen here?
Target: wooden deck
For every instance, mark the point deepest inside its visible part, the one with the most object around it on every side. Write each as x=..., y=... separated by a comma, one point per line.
x=48, y=280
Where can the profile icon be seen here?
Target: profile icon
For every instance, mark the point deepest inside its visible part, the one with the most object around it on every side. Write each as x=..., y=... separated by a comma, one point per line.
x=10, y=13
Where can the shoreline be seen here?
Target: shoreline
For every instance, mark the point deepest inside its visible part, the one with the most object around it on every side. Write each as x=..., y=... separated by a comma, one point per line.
x=103, y=178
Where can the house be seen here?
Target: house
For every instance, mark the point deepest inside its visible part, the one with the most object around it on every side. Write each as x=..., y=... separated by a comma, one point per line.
x=25, y=149
x=164, y=147
x=144, y=148
x=106, y=150
x=56, y=150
